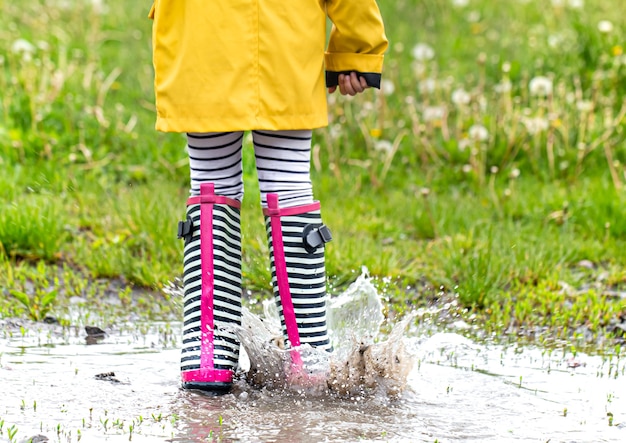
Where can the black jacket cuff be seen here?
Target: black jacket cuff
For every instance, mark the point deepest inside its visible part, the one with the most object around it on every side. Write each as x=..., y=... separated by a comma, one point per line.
x=372, y=78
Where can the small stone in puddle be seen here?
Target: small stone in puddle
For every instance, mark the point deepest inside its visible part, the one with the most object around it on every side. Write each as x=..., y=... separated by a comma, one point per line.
x=107, y=376
x=94, y=335
x=94, y=331
x=36, y=439
x=573, y=363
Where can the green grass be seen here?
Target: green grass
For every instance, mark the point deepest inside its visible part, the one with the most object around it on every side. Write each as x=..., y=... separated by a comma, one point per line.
x=461, y=180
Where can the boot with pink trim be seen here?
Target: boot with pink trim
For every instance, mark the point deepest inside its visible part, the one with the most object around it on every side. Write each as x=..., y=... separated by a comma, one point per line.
x=212, y=286
x=296, y=238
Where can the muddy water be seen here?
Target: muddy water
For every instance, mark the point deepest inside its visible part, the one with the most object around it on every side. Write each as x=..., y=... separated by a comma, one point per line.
x=124, y=387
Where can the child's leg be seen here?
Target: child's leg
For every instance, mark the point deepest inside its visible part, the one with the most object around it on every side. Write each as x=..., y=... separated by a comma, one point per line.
x=296, y=235
x=283, y=161
x=212, y=262
x=216, y=158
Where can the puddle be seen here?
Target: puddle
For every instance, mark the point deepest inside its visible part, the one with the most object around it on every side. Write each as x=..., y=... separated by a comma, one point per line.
x=456, y=390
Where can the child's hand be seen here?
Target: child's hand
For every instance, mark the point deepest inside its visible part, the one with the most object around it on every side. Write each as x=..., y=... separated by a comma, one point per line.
x=350, y=84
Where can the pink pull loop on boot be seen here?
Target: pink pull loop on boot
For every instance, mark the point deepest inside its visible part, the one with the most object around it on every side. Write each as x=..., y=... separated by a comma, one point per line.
x=212, y=285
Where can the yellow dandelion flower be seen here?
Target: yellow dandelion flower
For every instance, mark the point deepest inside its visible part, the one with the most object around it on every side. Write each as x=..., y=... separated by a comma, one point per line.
x=476, y=28
x=617, y=50
x=376, y=132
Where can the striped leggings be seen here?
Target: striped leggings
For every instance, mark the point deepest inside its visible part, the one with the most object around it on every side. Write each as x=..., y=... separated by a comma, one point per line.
x=282, y=163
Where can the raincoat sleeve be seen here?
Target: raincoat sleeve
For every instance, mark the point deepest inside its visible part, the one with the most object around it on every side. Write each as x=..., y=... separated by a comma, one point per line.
x=357, y=41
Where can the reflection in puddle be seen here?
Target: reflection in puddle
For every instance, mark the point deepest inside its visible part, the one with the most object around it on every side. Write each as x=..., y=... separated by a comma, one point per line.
x=457, y=391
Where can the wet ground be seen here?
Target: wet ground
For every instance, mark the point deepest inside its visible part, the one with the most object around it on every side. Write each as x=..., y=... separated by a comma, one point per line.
x=124, y=387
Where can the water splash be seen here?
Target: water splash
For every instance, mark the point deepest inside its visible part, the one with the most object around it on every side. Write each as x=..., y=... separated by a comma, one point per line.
x=355, y=314
x=365, y=362
x=381, y=367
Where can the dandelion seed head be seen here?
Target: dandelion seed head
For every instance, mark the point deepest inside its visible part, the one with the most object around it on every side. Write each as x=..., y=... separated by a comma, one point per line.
x=335, y=131
x=482, y=103
x=43, y=45
x=478, y=133
x=428, y=85
x=460, y=3
x=419, y=69
x=467, y=168
x=99, y=7
x=423, y=52
x=62, y=4
x=332, y=99
x=387, y=87
x=576, y=4
x=461, y=97
x=584, y=105
x=540, y=86
x=22, y=46
x=473, y=17
x=535, y=125
x=493, y=35
x=605, y=26
x=464, y=144
x=555, y=40
x=433, y=113
x=503, y=87
x=384, y=146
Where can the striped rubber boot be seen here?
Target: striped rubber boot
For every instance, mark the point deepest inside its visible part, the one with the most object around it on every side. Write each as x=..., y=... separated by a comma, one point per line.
x=296, y=238
x=212, y=285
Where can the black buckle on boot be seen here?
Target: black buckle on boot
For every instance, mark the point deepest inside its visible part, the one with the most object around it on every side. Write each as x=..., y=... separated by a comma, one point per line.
x=315, y=236
x=185, y=229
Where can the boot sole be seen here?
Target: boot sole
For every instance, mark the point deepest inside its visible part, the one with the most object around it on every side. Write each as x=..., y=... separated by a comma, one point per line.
x=212, y=387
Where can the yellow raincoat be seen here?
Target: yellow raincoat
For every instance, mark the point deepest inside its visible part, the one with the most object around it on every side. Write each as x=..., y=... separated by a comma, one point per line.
x=226, y=65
